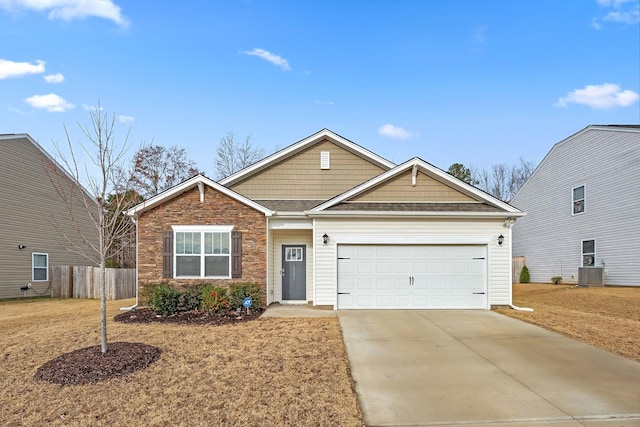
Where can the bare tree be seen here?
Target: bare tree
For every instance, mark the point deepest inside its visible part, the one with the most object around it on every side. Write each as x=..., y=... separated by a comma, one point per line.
x=232, y=157
x=106, y=158
x=503, y=182
x=156, y=168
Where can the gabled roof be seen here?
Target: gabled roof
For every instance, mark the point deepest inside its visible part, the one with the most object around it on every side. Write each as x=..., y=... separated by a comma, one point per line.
x=606, y=128
x=26, y=136
x=483, y=198
x=189, y=184
x=324, y=134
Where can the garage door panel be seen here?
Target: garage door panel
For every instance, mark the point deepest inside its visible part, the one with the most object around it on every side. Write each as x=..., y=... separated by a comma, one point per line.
x=384, y=283
x=412, y=276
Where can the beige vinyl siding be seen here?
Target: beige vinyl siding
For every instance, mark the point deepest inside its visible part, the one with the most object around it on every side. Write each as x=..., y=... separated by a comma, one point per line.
x=400, y=189
x=290, y=237
x=416, y=231
x=300, y=176
x=607, y=163
x=29, y=204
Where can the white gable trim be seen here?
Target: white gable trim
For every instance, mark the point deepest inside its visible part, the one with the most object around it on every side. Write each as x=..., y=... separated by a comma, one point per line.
x=196, y=181
x=300, y=145
x=410, y=164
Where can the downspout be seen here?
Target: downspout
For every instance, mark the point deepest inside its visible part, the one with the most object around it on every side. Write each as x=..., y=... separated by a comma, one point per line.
x=509, y=224
x=134, y=306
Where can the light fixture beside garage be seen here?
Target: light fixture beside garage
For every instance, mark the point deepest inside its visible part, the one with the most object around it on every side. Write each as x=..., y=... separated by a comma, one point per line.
x=500, y=240
x=325, y=238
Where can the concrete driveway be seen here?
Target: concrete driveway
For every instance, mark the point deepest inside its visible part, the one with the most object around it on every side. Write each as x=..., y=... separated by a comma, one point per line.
x=479, y=368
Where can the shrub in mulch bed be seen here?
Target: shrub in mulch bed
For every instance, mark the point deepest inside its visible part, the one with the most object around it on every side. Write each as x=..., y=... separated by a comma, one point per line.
x=88, y=365
x=194, y=317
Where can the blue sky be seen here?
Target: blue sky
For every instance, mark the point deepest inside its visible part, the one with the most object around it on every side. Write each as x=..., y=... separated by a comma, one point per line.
x=475, y=82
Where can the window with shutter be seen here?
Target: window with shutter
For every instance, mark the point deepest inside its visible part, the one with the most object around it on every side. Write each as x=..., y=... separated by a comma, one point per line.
x=236, y=254
x=167, y=254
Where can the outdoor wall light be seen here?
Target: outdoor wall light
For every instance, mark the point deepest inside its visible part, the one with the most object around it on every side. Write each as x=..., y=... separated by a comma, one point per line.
x=500, y=240
x=22, y=247
x=325, y=238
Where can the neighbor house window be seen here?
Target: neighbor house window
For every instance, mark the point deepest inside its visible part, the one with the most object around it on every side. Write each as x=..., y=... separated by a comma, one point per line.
x=578, y=200
x=588, y=253
x=202, y=251
x=39, y=267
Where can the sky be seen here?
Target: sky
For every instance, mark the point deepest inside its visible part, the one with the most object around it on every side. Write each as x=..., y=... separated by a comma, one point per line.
x=475, y=82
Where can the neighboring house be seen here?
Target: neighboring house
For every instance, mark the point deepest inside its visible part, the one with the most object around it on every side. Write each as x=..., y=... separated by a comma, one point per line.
x=35, y=217
x=327, y=221
x=582, y=208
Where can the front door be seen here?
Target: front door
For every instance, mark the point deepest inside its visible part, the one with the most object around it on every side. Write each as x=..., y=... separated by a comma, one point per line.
x=294, y=272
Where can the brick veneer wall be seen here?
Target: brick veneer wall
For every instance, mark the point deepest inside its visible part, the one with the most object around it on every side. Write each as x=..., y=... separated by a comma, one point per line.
x=217, y=209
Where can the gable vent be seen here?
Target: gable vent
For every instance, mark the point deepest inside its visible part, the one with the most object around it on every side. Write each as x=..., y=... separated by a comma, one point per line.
x=325, y=162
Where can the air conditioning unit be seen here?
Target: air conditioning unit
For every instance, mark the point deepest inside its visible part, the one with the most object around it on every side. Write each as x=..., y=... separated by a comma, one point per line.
x=590, y=276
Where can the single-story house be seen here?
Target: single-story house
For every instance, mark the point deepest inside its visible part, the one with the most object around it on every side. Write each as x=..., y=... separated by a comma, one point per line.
x=328, y=222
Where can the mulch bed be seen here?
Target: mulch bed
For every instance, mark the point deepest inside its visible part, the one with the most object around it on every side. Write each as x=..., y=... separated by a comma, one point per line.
x=145, y=315
x=88, y=365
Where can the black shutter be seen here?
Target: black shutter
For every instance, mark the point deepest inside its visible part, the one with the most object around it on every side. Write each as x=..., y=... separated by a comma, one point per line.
x=167, y=254
x=236, y=254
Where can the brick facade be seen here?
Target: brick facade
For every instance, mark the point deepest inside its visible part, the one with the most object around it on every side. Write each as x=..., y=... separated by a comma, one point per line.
x=217, y=209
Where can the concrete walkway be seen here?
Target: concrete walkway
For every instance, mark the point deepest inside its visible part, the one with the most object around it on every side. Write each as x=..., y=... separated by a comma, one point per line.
x=479, y=368
x=279, y=310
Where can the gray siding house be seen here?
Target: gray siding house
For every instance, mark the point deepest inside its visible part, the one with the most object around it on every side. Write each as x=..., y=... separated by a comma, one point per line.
x=583, y=208
x=34, y=217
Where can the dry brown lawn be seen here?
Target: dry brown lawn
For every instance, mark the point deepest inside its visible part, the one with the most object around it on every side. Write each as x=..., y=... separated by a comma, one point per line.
x=608, y=318
x=265, y=372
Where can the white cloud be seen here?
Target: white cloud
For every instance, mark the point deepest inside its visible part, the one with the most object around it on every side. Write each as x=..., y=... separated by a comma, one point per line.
x=618, y=11
x=54, y=78
x=19, y=69
x=126, y=119
x=268, y=56
x=614, y=3
x=51, y=102
x=68, y=10
x=86, y=107
x=600, y=97
x=324, y=102
x=395, y=132
x=626, y=17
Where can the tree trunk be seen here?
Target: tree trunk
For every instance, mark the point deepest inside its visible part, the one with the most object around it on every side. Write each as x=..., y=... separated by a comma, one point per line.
x=103, y=306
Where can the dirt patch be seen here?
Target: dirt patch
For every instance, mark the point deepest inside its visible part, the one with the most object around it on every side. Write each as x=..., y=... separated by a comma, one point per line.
x=607, y=318
x=89, y=365
x=145, y=315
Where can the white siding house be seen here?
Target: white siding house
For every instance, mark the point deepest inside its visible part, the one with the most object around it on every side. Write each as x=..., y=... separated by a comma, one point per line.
x=350, y=230
x=583, y=208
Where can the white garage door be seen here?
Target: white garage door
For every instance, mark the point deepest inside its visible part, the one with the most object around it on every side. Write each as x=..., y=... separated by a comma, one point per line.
x=412, y=276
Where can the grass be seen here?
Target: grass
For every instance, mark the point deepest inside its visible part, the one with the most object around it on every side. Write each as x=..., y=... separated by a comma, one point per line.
x=608, y=318
x=263, y=373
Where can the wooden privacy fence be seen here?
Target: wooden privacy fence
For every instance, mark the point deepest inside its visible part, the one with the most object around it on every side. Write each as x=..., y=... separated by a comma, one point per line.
x=84, y=282
x=517, y=262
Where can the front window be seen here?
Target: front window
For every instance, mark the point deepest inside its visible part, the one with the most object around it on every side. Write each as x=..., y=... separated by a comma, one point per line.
x=588, y=253
x=203, y=251
x=39, y=267
x=578, y=200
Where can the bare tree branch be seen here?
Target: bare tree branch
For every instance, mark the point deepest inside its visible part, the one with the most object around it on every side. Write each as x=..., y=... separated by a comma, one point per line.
x=232, y=157
x=96, y=199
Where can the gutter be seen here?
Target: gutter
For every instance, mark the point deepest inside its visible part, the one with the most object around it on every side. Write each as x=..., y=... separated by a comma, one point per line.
x=134, y=306
x=509, y=225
